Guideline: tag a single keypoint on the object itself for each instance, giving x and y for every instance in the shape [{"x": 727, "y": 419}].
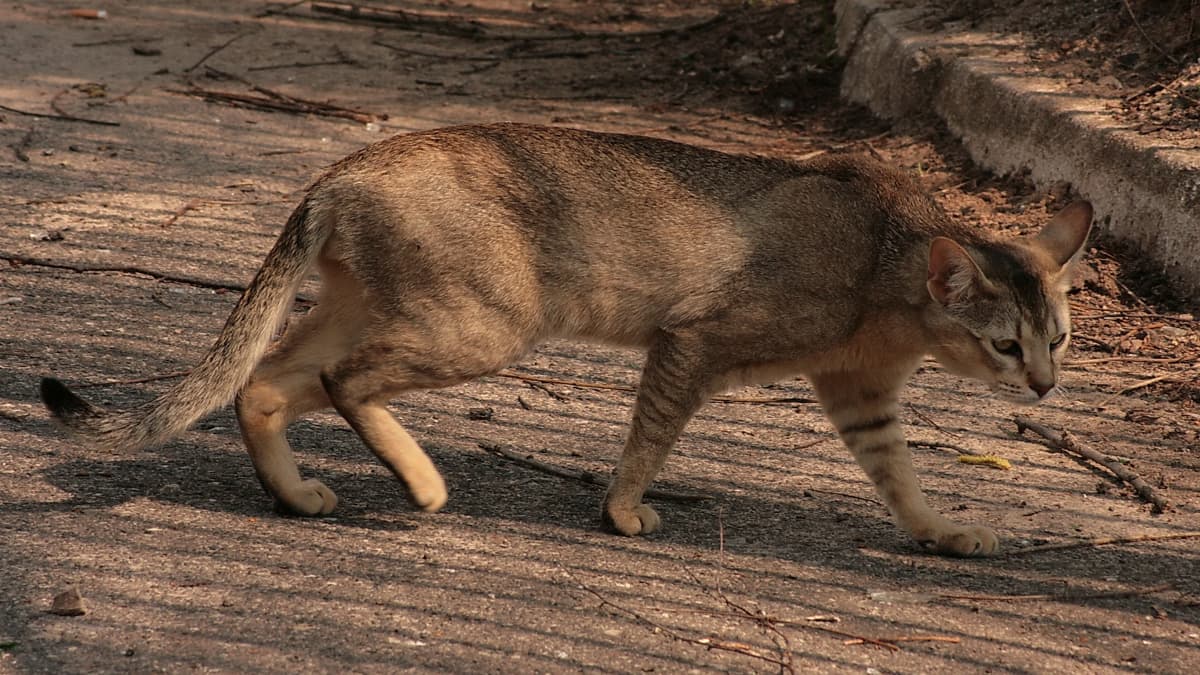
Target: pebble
[{"x": 68, "y": 603}]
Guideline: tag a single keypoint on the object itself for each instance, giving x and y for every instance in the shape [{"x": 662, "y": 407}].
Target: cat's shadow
[{"x": 848, "y": 536}]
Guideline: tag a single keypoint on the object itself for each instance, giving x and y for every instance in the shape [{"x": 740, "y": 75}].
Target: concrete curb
[{"x": 1011, "y": 118}]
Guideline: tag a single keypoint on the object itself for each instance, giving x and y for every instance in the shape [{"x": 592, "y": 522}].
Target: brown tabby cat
[{"x": 449, "y": 254}]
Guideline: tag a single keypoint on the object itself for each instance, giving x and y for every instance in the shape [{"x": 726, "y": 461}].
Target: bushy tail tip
[{"x": 63, "y": 404}]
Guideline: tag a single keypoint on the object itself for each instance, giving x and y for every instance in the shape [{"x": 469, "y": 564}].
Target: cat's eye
[
  {"x": 1058, "y": 341},
  {"x": 1007, "y": 347}
]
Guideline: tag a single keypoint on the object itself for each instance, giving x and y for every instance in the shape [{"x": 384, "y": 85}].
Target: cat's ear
[
  {"x": 1064, "y": 236},
  {"x": 953, "y": 277}
]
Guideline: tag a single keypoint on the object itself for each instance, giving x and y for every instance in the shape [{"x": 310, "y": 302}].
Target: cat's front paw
[
  {"x": 963, "y": 541},
  {"x": 307, "y": 498},
  {"x": 641, "y": 519}
]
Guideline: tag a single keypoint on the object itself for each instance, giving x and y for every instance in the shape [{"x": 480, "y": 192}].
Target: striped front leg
[{"x": 864, "y": 409}]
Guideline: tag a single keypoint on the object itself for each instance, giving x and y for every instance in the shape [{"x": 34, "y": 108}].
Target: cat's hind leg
[
  {"x": 360, "y": 388},
  {"x": 400, "y": 353},
  {"x": 285, "y": 385},
  {"x": 864, "y": 408}
]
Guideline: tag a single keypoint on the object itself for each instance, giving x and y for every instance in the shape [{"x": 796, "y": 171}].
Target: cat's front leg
[
  {"x": 864, "y": 408},
  {"x": 675, "y": 383}
]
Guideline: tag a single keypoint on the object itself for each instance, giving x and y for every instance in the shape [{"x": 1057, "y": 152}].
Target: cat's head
[{"x": 1000, "y": 310}]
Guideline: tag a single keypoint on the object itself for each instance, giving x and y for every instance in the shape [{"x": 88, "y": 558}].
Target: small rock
[
  {"x": 1174, "y": 332},
  {"x": 146, "y": 51},
  {"x": 747, "y": 60},
  {"x": 48, "y": 235},
  {"x": 68, "y": 603},
  {"x": 480, "y": 414}
]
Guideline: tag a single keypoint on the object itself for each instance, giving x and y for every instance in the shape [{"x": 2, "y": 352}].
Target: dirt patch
[{"x": 122, "y": 244}]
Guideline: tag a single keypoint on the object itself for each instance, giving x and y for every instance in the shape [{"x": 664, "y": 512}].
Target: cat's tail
[{"x": 228, "y": 364}]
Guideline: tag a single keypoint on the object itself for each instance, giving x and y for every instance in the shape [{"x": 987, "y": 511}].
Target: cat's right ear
[{"x": 953, "y": 277}]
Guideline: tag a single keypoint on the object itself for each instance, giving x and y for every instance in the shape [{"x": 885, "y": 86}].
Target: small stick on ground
[
  {"x": 1146, "y": 35},
  {"x": 276, "y": 103},
  {"x": 583, "y": 476},
  {"x": 67, "y": 118},
  {"x": 1067, "y": 596},
  {"x": 926, "y": 419},
  {"x": 213, "y": 52},
  {"x": 907, "y": 638},
  {"x": 14, "y": 259},
  {"x": 869, "y": 500},
  {"x": 271, "y": 11},
  {"x": 138, "y": 380},
  {"x": 1065, "y": 441},
  {"x": 1106, "y": 541},
  {"x": 938, "y": 445},
  {"x": 1170, "y": 377},
  {"x": 707, "y": 643},
  {"x": 344, "y": 61}
]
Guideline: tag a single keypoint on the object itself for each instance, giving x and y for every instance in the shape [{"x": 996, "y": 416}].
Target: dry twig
[
  {"x": 215, "y": 50},
  {"x": 1169, "y": 377},
  {"x": 1064, "y": 440},
  {"x": 1106, "y": 541},
  {"x": 707, "y": 643},
  {"x": 583, "y": 476},
  {"x": 274, "y": 102},
  {"x": 67, "y": 118},
  {"x": 1149, "y": 39},
  {"x": 136, "y": 380},
  {"x": 1065, "y": 596}
]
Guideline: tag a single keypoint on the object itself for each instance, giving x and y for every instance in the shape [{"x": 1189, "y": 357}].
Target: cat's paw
[
  {"x": 307, "y": 498},
  {"x": 963, "y": 541},
  {"x": 631, "y": 522},
  {"x": 428, "y": 493}
]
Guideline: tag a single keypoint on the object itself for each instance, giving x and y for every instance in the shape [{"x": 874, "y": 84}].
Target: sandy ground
[{"x": 120, "y": 245}]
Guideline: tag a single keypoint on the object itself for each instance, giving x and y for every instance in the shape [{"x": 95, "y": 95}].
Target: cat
[{"x": 446, "y": 255}]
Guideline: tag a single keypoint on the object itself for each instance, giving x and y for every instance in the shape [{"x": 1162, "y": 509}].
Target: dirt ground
[
  {"x": 122, "y": 245},
  {"x": 1144, "y": 54}
]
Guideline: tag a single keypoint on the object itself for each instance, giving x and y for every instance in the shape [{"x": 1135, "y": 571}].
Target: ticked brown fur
[{"x": 449, "y": 254}]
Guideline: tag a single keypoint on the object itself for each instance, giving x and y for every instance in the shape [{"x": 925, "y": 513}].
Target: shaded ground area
[
  {"x": 121, "y": 245},
  {"x": 1144, "y": 53}
]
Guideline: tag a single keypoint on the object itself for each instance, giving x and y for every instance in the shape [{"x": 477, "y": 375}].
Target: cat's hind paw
[
  {"x": 641, "y": 519},
  {"x": 308, "y": 498},
  {"x": 965, "y": 541}
]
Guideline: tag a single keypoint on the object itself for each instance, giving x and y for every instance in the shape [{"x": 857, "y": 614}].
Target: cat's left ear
[{"x": 1064, "y": 236}]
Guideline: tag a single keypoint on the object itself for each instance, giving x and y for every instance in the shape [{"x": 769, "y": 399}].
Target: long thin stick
[
  {"x": 583, "y": 476},
  {"x": 67, "y": 118},
  {"x": 1106, "y": 541},
  {"x": 1149, "y": 381},
  {"x": 1064, "y": 440},
  {"x": 1098, "y": 595},
  {"x": 707, "y": 643}
]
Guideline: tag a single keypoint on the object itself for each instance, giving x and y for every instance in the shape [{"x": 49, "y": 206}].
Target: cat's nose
[{"x": 1041, "y": 389}]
